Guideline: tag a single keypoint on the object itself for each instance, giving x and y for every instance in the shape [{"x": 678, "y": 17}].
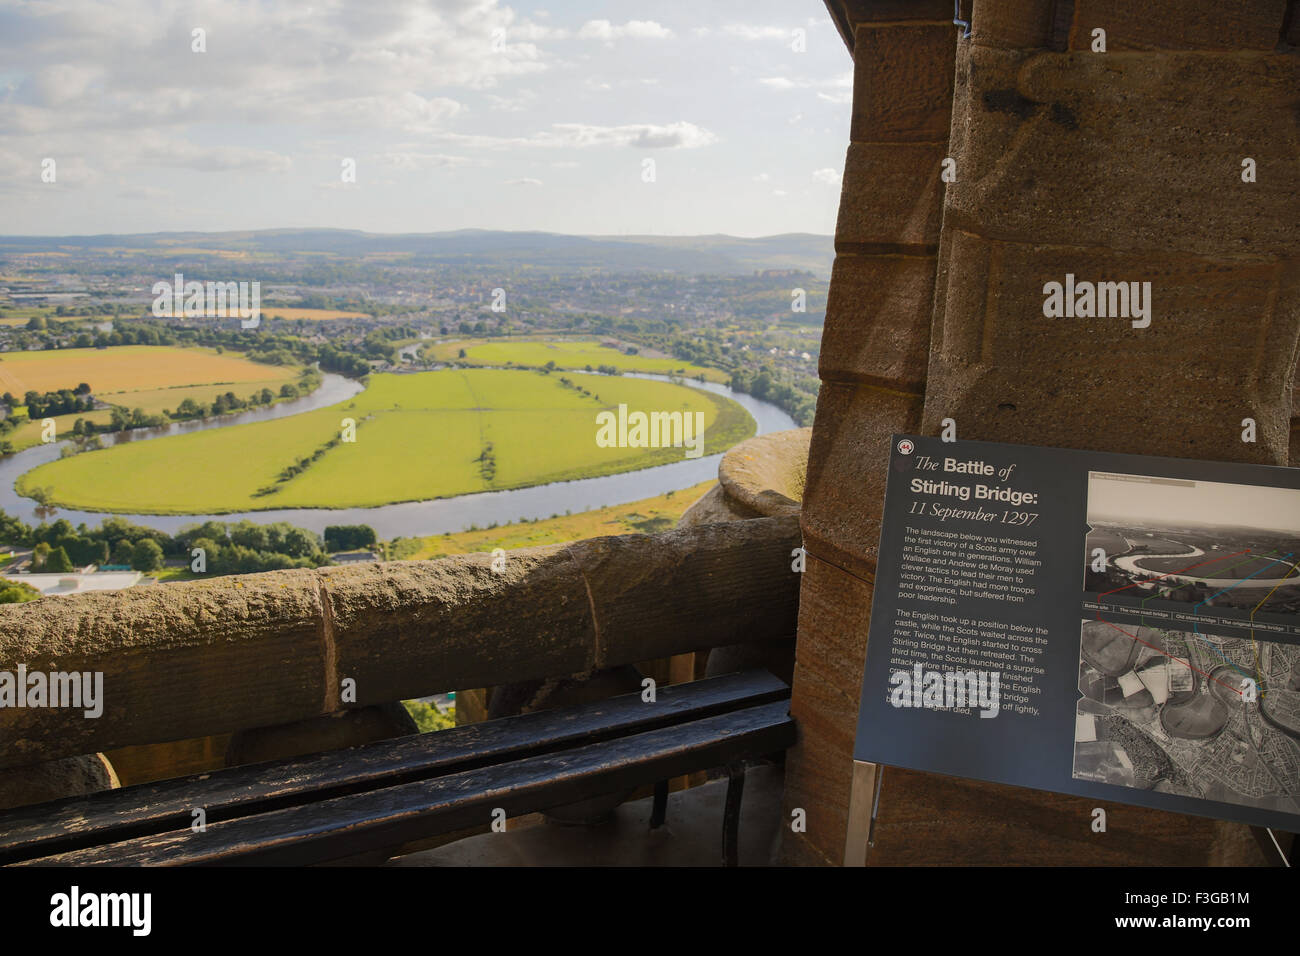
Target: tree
[
  {"x": 146, "y": 555},
  {"x": 40, "y": 554},
  {"x": 15, "y": 592},
  {"x": 58, "y": 562},
  {"x": 123, "y": 553},
  {"x": 37, "y": 323}
]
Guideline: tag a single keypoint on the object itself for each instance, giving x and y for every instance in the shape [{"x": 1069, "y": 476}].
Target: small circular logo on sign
[{"x": 905, "y": 447}]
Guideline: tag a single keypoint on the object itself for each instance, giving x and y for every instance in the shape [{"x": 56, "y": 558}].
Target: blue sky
[{"x": 458, "y": 114}]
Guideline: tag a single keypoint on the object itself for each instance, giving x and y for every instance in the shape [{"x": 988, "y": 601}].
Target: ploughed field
[{"x": 417, "y": 436}]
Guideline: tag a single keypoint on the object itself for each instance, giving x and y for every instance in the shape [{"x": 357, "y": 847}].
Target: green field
[
  {"x": 567, "y": 355},
  {"x": 418, "y": 436}
]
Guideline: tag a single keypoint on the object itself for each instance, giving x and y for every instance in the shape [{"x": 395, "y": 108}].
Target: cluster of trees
[
  {"x": 349, "y": 537},
  {"x": 63, "y": 402},
  {"x": 299, "y": 466},
  {"x": 229, "y": 547},
  {"x": 259, "y": 345},
  {"x": 229, "y": 402},
  {"x": 487, "y": 463},
  {"x": 569, "y": 383},
  {"x": 378, "y": 343},
  {"x": 765, "y": 384},
  {"x": 60, "y": 547}
]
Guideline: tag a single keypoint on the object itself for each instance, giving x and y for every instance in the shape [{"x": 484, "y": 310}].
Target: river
[
  {"x": 1130, "y": 564},
  {"x": 411, "y": 518}
]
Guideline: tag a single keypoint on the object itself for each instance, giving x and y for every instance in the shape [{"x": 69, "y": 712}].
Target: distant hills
[{"x": 715, "y": 255}]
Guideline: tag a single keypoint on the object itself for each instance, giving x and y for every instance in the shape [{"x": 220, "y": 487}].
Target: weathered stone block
[
  {"x": 878, "y": 321},
  {"x": 457, "y": 619},
  {"x": 735, "y": 579},
  {"x": 177, "y": 661},
  {"x": 55, "y": 779},
  {"x": 1015, "y": 24},
  {"x": 892, "y": 197},
  {"x": 1003, "y": 370},
  {"x": 847, "y": 464},
  {"x": 1178, "y": 25},
  {"x": 902, "y": 82},
  {"x": 1091, "y": 150}
]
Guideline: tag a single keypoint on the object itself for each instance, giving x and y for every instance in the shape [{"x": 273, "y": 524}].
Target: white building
[{"x": 73, "y": 583}]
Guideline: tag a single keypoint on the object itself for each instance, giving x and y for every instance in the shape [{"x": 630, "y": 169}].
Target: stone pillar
[
  {"x": 873, "y": 369},
  {"x": 1123, "y": 165}
]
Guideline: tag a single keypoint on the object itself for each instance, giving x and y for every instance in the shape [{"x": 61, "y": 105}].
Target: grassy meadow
[
  {"x": 648, "y": 516},
  {"x": 418, "y": 436},
  {"x": 566, "y": 355}
]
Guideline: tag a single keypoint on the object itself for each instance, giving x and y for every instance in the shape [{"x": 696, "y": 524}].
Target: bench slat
[
  {"x": 64, "y": 825},
  {"x": 347, "y": 825}
]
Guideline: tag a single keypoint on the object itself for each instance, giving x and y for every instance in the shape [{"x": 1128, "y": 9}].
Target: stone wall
[{"x": 1117, "y": 165}]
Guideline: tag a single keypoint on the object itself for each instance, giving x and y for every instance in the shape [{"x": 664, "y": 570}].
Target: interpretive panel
[{"x": 1113, "y": 626}]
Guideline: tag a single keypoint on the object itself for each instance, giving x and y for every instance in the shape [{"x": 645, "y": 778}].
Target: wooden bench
[{"x": 339, "y": 804}]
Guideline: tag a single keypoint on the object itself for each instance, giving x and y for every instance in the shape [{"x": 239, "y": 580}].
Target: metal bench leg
[
  {"x": 659, "y": 810},
  {"x": 731, "y": 814}
]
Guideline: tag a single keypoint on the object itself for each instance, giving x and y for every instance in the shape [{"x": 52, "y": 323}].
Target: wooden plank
[
  {"x": 344, "y": 826},
  {"x": 136, "y": 811},
  {"x": 862, "y": 799}
]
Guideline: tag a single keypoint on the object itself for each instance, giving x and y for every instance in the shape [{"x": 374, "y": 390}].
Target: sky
[
  {"x": 1160, "y": 501},
  {"x": 456, "y": 113}
]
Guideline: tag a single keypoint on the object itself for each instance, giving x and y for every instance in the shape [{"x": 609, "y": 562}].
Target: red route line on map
[
  {"x": 1158, "y": 650},
  {"x": 1162, "y": 653}
]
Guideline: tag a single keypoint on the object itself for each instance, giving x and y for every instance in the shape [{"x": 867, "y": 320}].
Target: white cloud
[
  {"x": 638, "y": 29},
  {"x": 639, "y": 135},
  {"x": 156, "y": 150},
  {"x": 749, "y": 32},
  {"x": 522, "y": 100},
  {"x": 778, "y": 83},
  {"x": 679, "y": 135},
  {"x": 830, "y": 177},
  {"x": 421, "y": 161},
  {"x": 762, "y": 178},
  {"x": 838, "y": 98},
  {"x": 526, "y": 181}
]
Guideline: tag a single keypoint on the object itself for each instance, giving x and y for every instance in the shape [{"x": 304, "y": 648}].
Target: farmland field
[
  {"x": 418, "y": 436},
  {"x": 130, "y": 368},
  {"x": 566, "y": 355},
  {"x": 292, "y": 312},
  {"x": 154, "y": 378}
]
